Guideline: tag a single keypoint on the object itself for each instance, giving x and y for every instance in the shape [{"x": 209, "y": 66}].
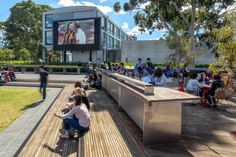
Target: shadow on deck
[{"x": 114, "y": 134}]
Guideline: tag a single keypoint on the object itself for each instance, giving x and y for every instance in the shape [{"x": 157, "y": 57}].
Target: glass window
[
  {"x": 105, "y": 23},
  {"x": 118, "y": 43},
  {"x": 112, "y": 42},
  {"x": 122, "y": 36},
  {"x": 48, "y": 38},
  {"x": 48, "y": 21},
  {"x": 113, "y": 29}
]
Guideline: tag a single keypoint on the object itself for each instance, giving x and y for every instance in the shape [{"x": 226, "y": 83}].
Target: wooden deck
[
  {"x": 45, "y": 140},
  {"x": 112, "y": 132}
]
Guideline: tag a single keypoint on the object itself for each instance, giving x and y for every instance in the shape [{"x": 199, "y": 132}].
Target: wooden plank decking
[
  {"x": 109, "y": 135},
  {"x": 45, "y": 140}
]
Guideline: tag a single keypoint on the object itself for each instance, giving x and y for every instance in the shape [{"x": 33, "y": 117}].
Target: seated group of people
[
  {"x": 198, "y": 83},
  {"x": 7, "y": 76},
  {"x": 145, "y": 72},
  {"x": 94, "y": 80},
  {"x": 76, "y": 114}
]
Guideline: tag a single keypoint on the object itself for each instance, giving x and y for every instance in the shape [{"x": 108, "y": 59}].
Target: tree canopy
[
  {"x": 194, "y": 19},
  {"x": 24, "y": 27},
  {"x": 226, "y": 44}
]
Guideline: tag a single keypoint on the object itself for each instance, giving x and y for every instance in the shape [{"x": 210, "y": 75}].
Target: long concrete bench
[{"x": 158, "y": 114}]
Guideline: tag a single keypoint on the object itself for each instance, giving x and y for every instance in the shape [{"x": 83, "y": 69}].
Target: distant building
[
  {"x": 110, "y": 36},
  {"x": 158, "y": 51}
]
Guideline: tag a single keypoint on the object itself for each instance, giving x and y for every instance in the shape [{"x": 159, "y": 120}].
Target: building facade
[
  {"x": 110, "y": 36},
  {"x": 158, "y": 51}
]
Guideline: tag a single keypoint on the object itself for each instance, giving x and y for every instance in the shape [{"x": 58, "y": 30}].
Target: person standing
[
  {"x": 138, "y": 66},
  {"x": 43, "y": 80},
  {"x": 150, "y": 66}
]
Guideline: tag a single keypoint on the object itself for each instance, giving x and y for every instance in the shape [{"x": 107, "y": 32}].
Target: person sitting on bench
[
  {"x": 84, "y": 99},
  {"x": 217, "y": 83},
  {"x": 77, "y": 118},
  {"x": 193, "y": 86}
]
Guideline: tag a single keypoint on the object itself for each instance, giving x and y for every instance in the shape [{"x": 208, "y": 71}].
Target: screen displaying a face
[{"x": 76, "y": 32}]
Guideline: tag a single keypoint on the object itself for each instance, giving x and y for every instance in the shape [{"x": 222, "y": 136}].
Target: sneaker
[{"x": 214, "y": 106}]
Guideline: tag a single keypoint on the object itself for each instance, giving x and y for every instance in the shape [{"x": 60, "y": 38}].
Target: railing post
[
  {"x": 64, "y": 70},
  {"x": 22, "y": 70},
  {"x": 78, "y": 70},
  {"x": 50, "y": 69}
]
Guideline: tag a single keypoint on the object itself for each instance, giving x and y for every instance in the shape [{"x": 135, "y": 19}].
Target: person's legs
[
  {"x": 40, "y": 88},
  {"x": 44, "y": 90},
  {"x": 72, "y": 122}
]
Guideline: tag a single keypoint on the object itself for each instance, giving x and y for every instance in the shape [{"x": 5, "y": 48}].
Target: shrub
[{"x": 83, "y": 70}]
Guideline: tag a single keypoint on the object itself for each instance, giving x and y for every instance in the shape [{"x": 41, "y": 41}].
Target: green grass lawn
[{"x": 14, "y": 101}]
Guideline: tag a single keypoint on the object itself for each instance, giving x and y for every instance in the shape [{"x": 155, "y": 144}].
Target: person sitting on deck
[
  {"x": 78, "y": 91},
  {"x": 159, "y": 77},
  {"x": 5, "y": 75},
  {"x": 12, "y": 75},
  {"x": 193, "y": 86},
  {"x": 78, "y": 118}
]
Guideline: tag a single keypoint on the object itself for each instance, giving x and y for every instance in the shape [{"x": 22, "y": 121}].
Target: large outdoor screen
[{"x": 79, "y": 34}]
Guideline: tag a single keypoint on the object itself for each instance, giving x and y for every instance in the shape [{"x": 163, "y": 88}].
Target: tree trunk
[{"x": 192, "y": 52}]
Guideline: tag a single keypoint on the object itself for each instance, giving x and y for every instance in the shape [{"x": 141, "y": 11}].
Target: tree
[
  {"x": 226, "y": 45},
  {"x": 24, "y": 27},
  {"x": 191, "y": 18},
  {"x": 2, "y": 54},
  {"x": 25, "y": 54},
  {"x": 9, "y": 54}
]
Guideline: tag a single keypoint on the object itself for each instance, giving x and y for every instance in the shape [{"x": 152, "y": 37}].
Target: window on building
[
  {"x": 48, "y": 21},
  {"x": 109, "y": 27},
  {"x": 48, "y": 38},
  {"x": 118, "y": 43},
  {"x": 105, "y": 23},
  {"x": 104, "y": 38},
  {"x": 113, "y": 30},
  {"x": 122, "y": 36},
  {"x": 118, "y": 33},
  {"x": 112, "y": 43}
]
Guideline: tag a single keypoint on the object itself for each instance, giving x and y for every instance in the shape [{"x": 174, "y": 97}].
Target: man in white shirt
[{"x": 80, "y": 35}]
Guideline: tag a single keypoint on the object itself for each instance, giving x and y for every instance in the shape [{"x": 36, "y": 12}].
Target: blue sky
[{"x": 123, "y": 19}]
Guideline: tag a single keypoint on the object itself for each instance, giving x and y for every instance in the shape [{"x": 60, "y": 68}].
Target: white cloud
[
  {"x": 142, "y": 6},
  {"x": 158, "y": 38},
  {"x": 105, "y": 9},
  {"x": 134, "y": 31},
  {"x": 66, "y": 3},
  {"x": 101, "y": 1},
  {"x": 125, "y": 26}
]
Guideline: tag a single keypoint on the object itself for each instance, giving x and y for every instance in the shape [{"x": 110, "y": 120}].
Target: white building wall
[
  {"x": 79, "y": 56},
  {"x": 157, "y": 50}
]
